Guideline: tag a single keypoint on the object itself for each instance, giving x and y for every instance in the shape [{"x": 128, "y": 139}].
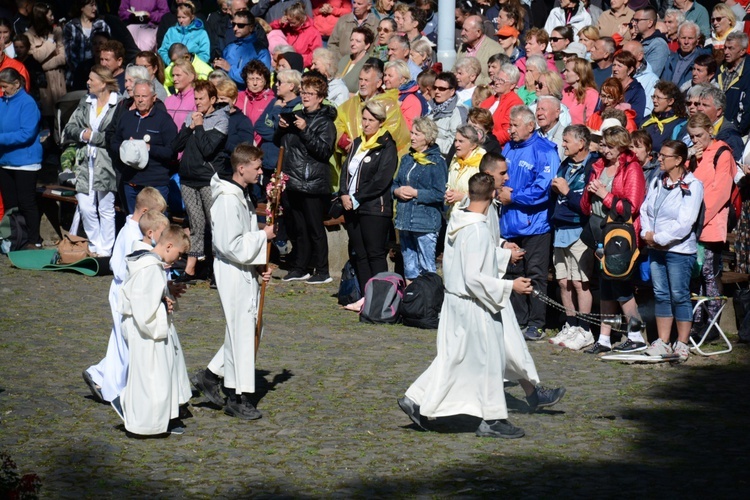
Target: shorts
[
  {"x": 575, "y": 262},
  {"x": 619, "y": 290}
]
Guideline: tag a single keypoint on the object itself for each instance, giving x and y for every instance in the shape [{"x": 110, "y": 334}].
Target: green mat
[{"x": 41, "y": 260}]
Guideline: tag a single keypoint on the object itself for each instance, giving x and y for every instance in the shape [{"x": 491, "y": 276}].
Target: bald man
[{"x": 474, "y": 43}]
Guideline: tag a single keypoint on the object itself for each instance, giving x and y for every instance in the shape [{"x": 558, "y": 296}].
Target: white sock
[
  {"x": 636, "y": 336},
  {"x": 605, "y": 341}
]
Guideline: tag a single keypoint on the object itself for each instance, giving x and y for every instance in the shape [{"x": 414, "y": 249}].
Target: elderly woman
[
  {"x": 419, "y": 189},
  {"x": 412, "y": 102},
  {"x": 299, "y": 31},
  {"x": 536, "y": 45},
  {"x": 325, "y": 62},
  {"x": 201, "y": 140},
  {"x": 467, "y": 71},
  {"x": 77, "y": 35},
  {"x": 668, "y": 115},
  {"x": 20, "y": 151},
  {"x": 95, "y": 175},
  {"x": 535, "y": 66},
  {"x": 615, "y": 178},
  {"x": 580, "y": 94},
  {"x": 611, "y": 95},
  {"x": 469, "y": 153},
  {"x": 48, "y": 48},
  {"x": 309, "y": 141},
  {"x": 349, "y": 67},
  {"x": 668, "y": 218},
  {"x": 143, "y": 18},
  {"x": 255, "y": 98},
  {"x": 712, "y": 163},
  {"x": 481, "y": 119},
  {"x": 386, "y": 28},
  {"x": 182, "y": 103},
  {"x": 421, "y": 54},
  {"x": 365, "y": 191},
  {"x": 673, "y": 18},
  {"x": 723, "y": 22}
]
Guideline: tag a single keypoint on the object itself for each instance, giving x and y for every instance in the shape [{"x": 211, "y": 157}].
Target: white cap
[
  {"x": 576, "y": 49},
  {"x": 134, "y": 153}
]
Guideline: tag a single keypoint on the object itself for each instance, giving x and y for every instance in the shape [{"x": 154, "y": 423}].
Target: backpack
[
  {"x": 349, "y": 292},
  {"x": 423, "y": 299},
  {"x": 383, "y": 295},
  {"x": 620, "y": 251},
  {"x": 735, "y": 199},
  {"x": 14, "y": 234}
]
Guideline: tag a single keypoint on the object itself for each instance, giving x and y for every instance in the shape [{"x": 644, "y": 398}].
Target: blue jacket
[
  {"x": 239, "y": 53},
  {"x": 636, "y": 97},
  {"x": 266, "y": 127},
  {"x": 531, "y": 166},
  {"x": 422, "y": 214},
  {"x": 240, "y": 130},
  {"x": 19, "y": 130},
  {"x": 193, "y": 36},
  {"x": 567, "y": 213},
  {"x": 668, "y": 129},
  {"x": 686, "y": 70},
  {"x": 738, "y": 97}
]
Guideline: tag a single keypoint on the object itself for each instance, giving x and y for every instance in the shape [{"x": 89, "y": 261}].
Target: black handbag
[
  {"x": 337, "y": 207},
  {"x": 592, "y": 231}
]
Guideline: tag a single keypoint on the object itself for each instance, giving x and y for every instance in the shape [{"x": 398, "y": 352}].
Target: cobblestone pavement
[{"x": 331, "y": 426}]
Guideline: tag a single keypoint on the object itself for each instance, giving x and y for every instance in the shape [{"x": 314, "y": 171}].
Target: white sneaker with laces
[
  {"x": 580, "y": 339},
  {"x": 658, "y": 348},
  {"x": 682, "y": 350},
  {"x": 565, "y": 333}
]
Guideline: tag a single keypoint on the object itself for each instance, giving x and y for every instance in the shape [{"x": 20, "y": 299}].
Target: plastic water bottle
[{"x": 600, "y": 253}]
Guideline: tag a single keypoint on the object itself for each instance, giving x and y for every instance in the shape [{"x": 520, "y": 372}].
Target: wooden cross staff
[{"x": 274, "y": 202}]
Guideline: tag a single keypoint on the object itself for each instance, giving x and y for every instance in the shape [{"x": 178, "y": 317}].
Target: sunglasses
[
  {"x": 240, "y": 25},
  {"x": 556, "y": 38},
  {"x": 441, "y": 89},
  {"x": 717, "y": 19},
  {"x": 539, "y": 85},
  {"x": 384, "y": 30}
]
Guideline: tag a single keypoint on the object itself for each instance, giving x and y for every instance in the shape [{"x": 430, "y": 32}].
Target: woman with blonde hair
[
  {"x": 96, "y": 181},
  {"x": 580, "y": 94},
  {"x": 723, "y": 22},
  {"x": 240, "y": 126},
  {"x": 326, "y": 62},
  {"x": 467, "y": 70},
  {"x": 411, "y": 101},
  {"x": 180, "y": 104},
  {"x": 588, "y": 35},
  {"x": 550, "y": 83}
]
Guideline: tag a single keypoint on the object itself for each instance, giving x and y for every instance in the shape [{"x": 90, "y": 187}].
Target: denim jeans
[
  {"x": 131, "y": 193},
  {"x": 670, "y": 275},
  {"x": 418, "y": 251}
]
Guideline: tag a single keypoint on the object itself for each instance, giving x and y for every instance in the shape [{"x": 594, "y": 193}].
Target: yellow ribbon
[
  {"x": 421, "y": 158},
  {"x": 659, "y": 123},
  {"x": 472, "y": 160},
  {"x": 372, "y": 141}
]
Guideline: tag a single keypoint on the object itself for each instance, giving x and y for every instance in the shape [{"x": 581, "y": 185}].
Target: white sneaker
[
  {"x": 580, "y": 339},
  {"x": 682, "y": 350},
  {"x": 658, "y": 348},
  {"x": 565, "y": 333}
]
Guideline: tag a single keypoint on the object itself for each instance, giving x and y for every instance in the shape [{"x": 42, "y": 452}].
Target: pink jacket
[
  {"x": 717, "y": 187},
  {"x": 580, "y": 112},
  {"x": 325, "y": 24},
  {"x": 180, "y": 105},
  {"x": 521, "y": 65},
  {"x": 253, "y": 105},
  {"x": 305, "y": 39}
]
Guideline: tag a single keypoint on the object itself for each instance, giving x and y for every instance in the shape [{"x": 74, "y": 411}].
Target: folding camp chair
[{"x": 701, "y": 302}]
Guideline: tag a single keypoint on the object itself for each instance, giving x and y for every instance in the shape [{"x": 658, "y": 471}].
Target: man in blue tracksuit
[
  {"x": 532, "y": 163},
  {"x": 243, "y": 49}
]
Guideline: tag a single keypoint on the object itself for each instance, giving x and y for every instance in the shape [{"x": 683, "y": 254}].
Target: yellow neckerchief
[
  {"x": 718, "y": 125},
  {"x": 659, "y": 123},
  {"x": 473, "y": 160},
  {"x": 739, "y": 71},
  {"x": 372, "y": 141},
  {"x": 421, "y": 158}
]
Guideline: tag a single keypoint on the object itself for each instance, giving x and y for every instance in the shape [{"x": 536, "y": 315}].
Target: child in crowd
[
  {"x": 107, "y": 379},
  {"x": 188, "y": 31},
  {"x": 148, "y": 402},
  {"x": 239, "y": 248}
]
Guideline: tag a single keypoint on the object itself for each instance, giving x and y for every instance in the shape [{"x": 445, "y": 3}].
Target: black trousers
[
  {"x": 18, "y": 188},
  {"x": 535, "y": 266},
  {"x": 304, "y": 216},
  {"x": 368, "y": 244}
]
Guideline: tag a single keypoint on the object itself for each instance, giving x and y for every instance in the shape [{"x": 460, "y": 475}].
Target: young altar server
[
  {"x": 466, "y": 376},
  {"x": 107, "y": 378},
  {"x": 148, "y": 403},
  {"x": 239, "y": 249}
]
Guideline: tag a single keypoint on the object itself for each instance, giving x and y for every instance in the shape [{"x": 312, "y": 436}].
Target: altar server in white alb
[
  {"x": 239, "y": 254},
  {"x": 146, "y": 405},
  {"x": 107, "y": 378},
  {"x": 466, "y": 376}
]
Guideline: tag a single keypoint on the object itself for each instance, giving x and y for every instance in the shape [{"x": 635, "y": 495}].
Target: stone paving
[{"x": 331, "y": 426}]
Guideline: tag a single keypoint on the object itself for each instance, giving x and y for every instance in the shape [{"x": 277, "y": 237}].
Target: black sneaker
[
  {"x": 597, "y": 348},
  {"x": 534, "y": 334},
  {"x": 210, "y": 388},
  {"x": 499, "y": 429},
  {"x": 320, "y": 279},
  {"x": 186, "y": 279},
  {"x": 242, "y": 409},
  {"x": 542, "y": 397},
  {"x": 96, "y": 391},
  {"x": 296, "y": 275},
  {"x": 412, "y": 410},
  {"x": 630, "y": 346}
]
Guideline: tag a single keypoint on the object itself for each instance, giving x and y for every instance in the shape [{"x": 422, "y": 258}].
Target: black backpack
[
  {"x": 620, "y": 250},
  {"x": 14, "y": 234},
  {"x": 349, "y": 291},
  {"x": 423, "y": 299},
  {"x": 383, "y": 294}
]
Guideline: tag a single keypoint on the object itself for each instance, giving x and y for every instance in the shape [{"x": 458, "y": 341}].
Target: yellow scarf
[
  {"x": 473, "y": 160},
  {"x": 372, "y": 141},
  {"x": 421, "y": 158},
  {"x": 659, "y": 123}
]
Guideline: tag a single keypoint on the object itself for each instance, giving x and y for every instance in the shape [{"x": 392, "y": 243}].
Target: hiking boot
[
  {"x": 209, "y": 385},
  {"x": 296, "y": 275},
  {"x": 565, "y": 333},
  {"x": 534, "y": 334},
  {"x": 542, "y": 397},
  {"x": 412, "y": 410},
  {"x": 682, "y": 351},
  {"x": 96, "y": 391},
  {"x": 319, "y": 279},
  {"x": 658, "y": 348},
  {"x": 597, "y": 348},
  {"x": 582, "y": 338},
  {"x": 499, "y": 429},
  {"x": 242, "y": 409},
  {"x": 630, "y": 347}
]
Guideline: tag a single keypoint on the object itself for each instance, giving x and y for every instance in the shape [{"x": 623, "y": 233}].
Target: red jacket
[
  {"x": 304, "y": 39},
  {"x": 501, "y": 116},
  {"x": 628, "y": 184},
  {"x": 325, "y": 24}
]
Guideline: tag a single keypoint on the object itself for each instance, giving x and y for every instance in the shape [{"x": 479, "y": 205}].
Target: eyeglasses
[
  {"x": 500, "y": 81},
  {"x": 636, "y": 21},
  {"x": 717, "y": 19},
  {"x": 240, "y": 25},
  {"x": 441, "y": 89},
  {"x": 658, "y": 97},
  {"x": 255, "y": 79},
  {"x": 693, "y": 103},
  {"x": 308, "y": 94},
  {"x": 607, "y": 97}
]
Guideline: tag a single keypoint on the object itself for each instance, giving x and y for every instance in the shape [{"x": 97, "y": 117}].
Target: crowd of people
[{"x": 595, "y": 108}]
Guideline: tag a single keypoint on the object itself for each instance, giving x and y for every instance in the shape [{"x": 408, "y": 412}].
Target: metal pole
[{"x": 446, "y": 49}]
